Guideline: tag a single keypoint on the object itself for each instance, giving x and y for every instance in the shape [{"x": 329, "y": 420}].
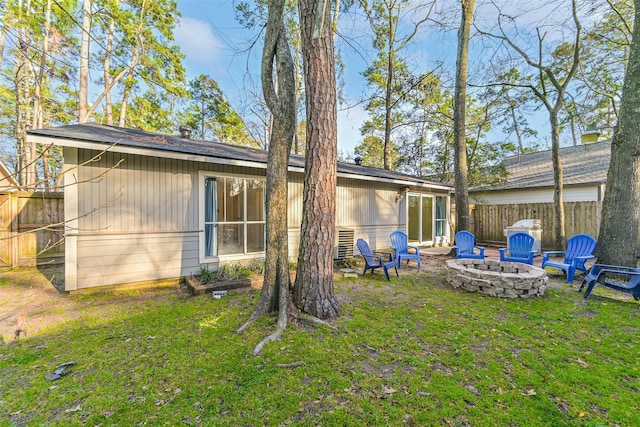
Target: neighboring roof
[
  {"x": 7, "y": 179},
  {"x": 585, "y": 164},
  {"x": 89, "y": 134}
]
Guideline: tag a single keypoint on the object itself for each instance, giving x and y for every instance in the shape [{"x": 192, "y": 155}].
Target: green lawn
[{"x": 413, "y": 352}]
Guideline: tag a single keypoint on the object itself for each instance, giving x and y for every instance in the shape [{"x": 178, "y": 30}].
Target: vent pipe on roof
[
  {"x": 185, "y": 132},
  {"x": 358, "y": 160}
]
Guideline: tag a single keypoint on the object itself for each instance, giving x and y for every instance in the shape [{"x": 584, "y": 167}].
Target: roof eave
[{"x": 175, "y": 154}]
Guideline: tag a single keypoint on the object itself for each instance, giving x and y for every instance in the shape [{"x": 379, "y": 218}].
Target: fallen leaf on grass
[
  {"x": 581, "y": 414},
  {"x": 582, "y": 363},
  {"x": 389, "y": 390},
  {"x": 74, "y": 409},
  {"x": 531, "y": 392}
]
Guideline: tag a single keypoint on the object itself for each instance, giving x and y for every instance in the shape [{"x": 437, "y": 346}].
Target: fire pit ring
[{"x": 497, "y": 279}]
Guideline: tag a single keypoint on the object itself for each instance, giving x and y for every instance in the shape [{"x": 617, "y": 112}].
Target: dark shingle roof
[
  {"x": 97, "y": 133},
  {"x": 582, "y": 164}
]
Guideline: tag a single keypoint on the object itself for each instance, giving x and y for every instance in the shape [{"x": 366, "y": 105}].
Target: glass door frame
[{"x": 420, "y": 196}]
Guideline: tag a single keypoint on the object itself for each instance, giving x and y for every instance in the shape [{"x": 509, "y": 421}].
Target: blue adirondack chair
[
  {"x": 520, "y": 249},
  {"x": 465, "y": 246},
  {"x": 376, "y": 259},
  {"x": 579, "y": 249},
  {"x": 400, "y": 245},
  {"x": 602, "y": 274}
]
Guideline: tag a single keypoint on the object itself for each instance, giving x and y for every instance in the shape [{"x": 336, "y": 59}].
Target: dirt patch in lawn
[{"x": 30, "y": 301}]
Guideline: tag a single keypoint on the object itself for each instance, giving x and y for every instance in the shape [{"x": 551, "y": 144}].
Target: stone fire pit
[{"x": 497, "y": 279}]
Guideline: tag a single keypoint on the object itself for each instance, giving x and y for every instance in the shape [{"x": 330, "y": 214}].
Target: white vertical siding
[
  {"x": 124, "y": 258},
  {"x": 139, "y": 221},
  {"x": 364, "y": 203},
  {"x": 71, "y": 212}
]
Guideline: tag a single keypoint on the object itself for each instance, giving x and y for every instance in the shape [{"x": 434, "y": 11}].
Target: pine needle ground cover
[{"x": 410, "y": 352}]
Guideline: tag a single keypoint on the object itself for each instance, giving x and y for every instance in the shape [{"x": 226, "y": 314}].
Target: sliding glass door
[
  {"x": 423, "y": 220},
  {"x": 420, "y": 221}
]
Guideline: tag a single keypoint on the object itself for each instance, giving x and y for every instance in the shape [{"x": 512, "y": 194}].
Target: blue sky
[{"x": 216, "y": 44}]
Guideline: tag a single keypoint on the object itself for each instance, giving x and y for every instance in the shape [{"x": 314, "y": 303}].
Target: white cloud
[{"x": 198, "y": 42}]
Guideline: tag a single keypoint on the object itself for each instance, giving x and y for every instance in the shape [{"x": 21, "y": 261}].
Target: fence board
[
  {"x": 22, "y": 241},
  {"x": 489, "y": 221}
]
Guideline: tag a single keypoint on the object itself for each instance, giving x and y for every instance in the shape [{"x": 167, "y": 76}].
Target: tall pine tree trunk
[
  {"x": 619, "y": 239},
  {"x": 459, "y": 118},
  {"x": 313, "y": 291}
]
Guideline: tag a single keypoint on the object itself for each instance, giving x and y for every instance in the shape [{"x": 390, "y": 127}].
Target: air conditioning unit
[{"x": 344, "y": 243}]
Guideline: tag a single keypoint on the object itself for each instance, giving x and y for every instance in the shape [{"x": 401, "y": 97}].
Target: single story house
[
  {"x": 143, "y": 206},
  {"x": 530, "y": 177}
]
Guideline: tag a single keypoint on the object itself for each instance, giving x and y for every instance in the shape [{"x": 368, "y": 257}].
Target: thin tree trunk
[
  {"x": 558, "y": 193},
  {"x": 106, "y": 65},
  {"x": 619, "y": 239},
  {"x": 388, "y": 104},
  {"x": 547, "y": 75},
  {"x": 123, "y": 105},
  {"x": 558, "y": 180},
  {"x": 459, "y": 118},
  {"x": 313, "y": 290},
  {"x": 516, "y": 128},
  {"x": 46, "y": 172},
  {"x": 26, "y": 152},
  {"x": 275, "y": 289},
  {"x": 83, "y": 92},
  {"x": 36, "y": 123},
  {"x": 202, "y": 119},
  {"x": 574, "y": 134}
]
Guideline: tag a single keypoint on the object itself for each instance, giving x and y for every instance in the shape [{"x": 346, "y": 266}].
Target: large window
[{"x": 234, "y": 217}]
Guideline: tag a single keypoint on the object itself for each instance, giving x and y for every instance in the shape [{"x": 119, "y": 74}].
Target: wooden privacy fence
[
  {"x": 489, "y": 221},
  {"x": 23, "y": 240}
]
